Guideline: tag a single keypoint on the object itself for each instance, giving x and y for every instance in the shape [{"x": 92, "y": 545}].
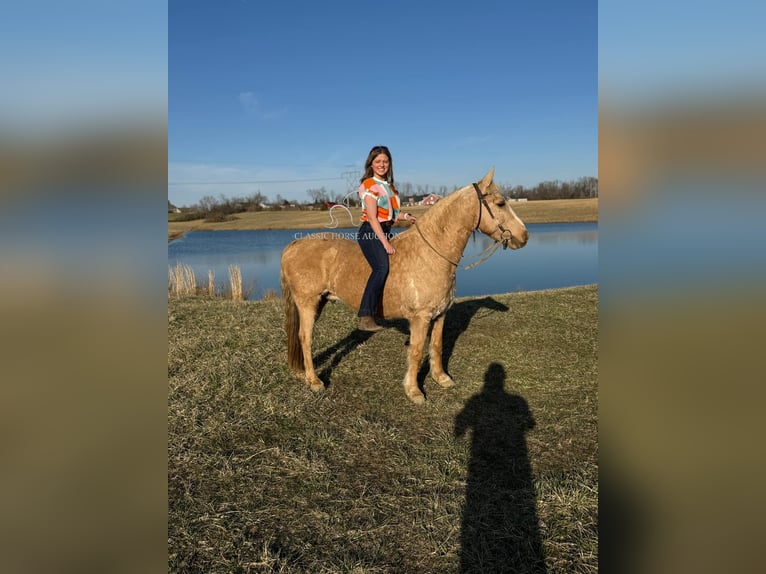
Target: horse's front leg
[
  {"x": 418, "y": 333},
  {"x": 438, "y": 373}
]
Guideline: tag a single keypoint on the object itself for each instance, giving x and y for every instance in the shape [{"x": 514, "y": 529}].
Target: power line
[{"x": 251, "y": 182}]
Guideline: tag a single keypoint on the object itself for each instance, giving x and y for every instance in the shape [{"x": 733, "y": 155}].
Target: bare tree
[{"x": 318, "y": 195}]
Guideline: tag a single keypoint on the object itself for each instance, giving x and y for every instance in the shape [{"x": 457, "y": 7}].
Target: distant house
[
  {"x": 430, "y": 199},
  {"x": 172, "y": 208}
]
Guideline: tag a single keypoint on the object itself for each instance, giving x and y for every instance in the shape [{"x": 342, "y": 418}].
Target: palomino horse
[{"x": 421, "y": 279}]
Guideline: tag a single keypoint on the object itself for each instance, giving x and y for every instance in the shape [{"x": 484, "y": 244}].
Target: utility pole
[{"x": 352, "y": 181}]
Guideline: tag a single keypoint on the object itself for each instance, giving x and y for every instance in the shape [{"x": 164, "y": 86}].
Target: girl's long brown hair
[{"x": 375, "y": 152}]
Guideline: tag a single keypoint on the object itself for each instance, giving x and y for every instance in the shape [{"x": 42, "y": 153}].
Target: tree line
[
  {"x": 585, "y": 187},
  {"x": 223, "y": 208}
]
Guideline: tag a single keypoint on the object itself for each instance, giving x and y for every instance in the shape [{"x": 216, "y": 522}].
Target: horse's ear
[{"x": 487, "y": 179}]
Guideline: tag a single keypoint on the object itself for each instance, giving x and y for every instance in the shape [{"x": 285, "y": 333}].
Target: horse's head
[{"x": 496, "y": 218}]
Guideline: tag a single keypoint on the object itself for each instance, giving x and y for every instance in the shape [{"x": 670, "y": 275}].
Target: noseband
[{"x": 503, "y": 231}]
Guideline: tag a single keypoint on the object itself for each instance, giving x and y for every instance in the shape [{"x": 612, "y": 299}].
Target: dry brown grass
[
  {"x": 265, "y": 476},
  {"x": 557, "y": 210}
]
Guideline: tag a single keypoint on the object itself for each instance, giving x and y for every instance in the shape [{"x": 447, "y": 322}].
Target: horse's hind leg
[
  {"x": 308, "y": 314},
  {"x": 438, "y": 373}
]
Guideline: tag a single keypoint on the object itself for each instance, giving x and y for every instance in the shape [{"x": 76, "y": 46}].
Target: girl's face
[{"x": 380, "y": 165}]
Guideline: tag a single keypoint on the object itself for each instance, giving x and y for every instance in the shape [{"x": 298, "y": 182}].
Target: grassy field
[
  {"x": 550, "y": 211},
  {"x": 498, "y": 473}
]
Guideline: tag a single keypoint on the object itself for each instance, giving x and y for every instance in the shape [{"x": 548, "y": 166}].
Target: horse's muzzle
[{"x": 515, "y": 242}]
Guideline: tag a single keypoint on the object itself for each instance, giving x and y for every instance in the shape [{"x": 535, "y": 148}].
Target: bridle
[
  {"x": 483, "y": 201},
  {"x": 503, "y": 231}
]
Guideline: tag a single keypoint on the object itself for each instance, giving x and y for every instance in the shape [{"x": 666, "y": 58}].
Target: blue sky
[{"x": 289, "y": 95}]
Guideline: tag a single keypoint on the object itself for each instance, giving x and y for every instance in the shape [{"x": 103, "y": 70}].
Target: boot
[{"x": 367, "y": 323}]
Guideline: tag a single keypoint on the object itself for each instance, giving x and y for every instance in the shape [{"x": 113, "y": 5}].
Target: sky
[{"x": 283, "y": 97}]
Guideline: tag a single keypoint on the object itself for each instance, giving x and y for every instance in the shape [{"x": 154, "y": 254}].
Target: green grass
[{"x": 265, "y": 476}]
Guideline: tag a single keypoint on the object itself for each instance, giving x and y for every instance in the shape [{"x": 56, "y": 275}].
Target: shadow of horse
[
  {"x": 458, "y": 318},
  {"x": 334, "y": 354},
  {"x": 500, "y": 528}
]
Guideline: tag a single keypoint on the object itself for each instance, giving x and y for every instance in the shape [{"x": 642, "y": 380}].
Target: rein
[
  {"x": 493, "y": 247},
  {"x": 434, "y": 248}
]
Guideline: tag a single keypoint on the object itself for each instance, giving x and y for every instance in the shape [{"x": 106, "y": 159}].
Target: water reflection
[{"x": 557, "y": 255}]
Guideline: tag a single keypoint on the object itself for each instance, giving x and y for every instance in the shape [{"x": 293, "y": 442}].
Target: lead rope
[{"x": 493, "y": 247}]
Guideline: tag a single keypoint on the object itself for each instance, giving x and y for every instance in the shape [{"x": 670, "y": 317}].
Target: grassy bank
[
  {"x": 265, "y": 476},
  {"x": 550, "y": 211}
]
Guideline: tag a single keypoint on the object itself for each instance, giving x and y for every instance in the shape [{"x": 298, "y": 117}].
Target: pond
[{"x": 557, "y": 255}]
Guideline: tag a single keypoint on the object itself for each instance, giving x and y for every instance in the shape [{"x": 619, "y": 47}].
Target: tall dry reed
[
  {"x": 235, "y": 277},
  {"x": 210, "y": 283},
  {"x": 181, "y": 280},
  {"x": 183, "y": 283}
]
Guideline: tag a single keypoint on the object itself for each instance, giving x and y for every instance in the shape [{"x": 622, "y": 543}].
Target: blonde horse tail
[{"x": 292, "y": 327}]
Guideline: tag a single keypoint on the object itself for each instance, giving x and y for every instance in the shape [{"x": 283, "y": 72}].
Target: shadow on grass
[
  {"x": 458, "y": 318},
  {"x": 500, "y": 528},
  {"x": 334, "y": 354}
]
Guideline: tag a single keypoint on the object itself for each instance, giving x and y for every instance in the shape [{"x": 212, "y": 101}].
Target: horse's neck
[{"x": 449, "y": 223}]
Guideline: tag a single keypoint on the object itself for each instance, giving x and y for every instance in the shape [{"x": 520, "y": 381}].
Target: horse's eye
[{"x": 500, "y": 202}]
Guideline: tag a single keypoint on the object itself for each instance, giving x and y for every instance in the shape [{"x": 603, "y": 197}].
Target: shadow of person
[{"x": 500, "y": 529}]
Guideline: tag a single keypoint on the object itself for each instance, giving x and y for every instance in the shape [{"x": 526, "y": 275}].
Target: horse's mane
[{"x": 443, "y": 208}]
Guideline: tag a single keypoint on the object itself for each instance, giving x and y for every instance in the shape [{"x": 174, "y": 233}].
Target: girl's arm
[{"x": 371, "y": 207}]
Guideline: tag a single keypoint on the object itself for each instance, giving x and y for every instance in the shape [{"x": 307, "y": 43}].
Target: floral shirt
[{"x": 386, "y": 197}]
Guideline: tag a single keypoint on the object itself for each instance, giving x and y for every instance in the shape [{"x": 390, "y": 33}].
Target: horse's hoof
[
  {"x": 417, "y": 399},
  {"x": 316, "y": 387},
  {"x": 445, "y": 382}
]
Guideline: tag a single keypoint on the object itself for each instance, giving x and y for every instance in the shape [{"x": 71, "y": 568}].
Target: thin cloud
[
  {"x": 252, "y": 107},
  {"x": 248, "y": 100}
]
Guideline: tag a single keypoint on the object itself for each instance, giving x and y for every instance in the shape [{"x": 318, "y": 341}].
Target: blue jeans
[{"x": 377, "y": 257}]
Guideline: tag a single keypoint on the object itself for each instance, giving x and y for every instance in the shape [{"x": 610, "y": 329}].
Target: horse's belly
[{"x": 410, "y": 293}]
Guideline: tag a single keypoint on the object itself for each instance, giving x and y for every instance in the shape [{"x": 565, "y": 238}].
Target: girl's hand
[{"x": 389, "y": 248}]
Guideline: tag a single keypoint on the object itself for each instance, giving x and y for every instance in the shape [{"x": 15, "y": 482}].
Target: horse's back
[
  {"x": 332, "y": 266},
  {"x": 318, "y": 252},
  {"x": 324, "y": 263}
]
